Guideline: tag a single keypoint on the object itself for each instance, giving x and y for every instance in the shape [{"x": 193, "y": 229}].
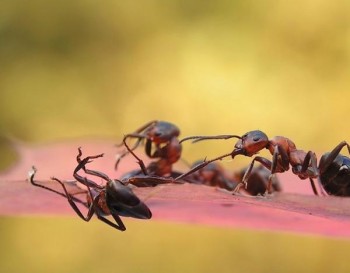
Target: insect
[
  {"x": 284, "y": 154},
  {"x": 162, "y": 143},
  {"x": 334, "y": 171},
  {"x": 214, "y": 175},
  {"x": 258, "y": 180},
  {"x": 115, "y": 198}
]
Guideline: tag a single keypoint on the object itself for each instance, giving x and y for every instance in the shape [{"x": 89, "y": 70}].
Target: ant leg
[
  {"x": 86, "y": 159},
  {"x": 31, "y": 180},
  {"x": 281, "y": 153},
  {"x": 262, "y": 160},
  {"x": 119, "y": 226},
  {"x": 313, "y": 186},
  {"x": 320, "y": 186},
  {"x": 81, "y": 165},
  {"x": 88, "y": 171},
  {"x": 148, "y": 148},
  {"x": 120, "y": 157},
  {"x": 137, "y": 132},
  {"x": 139, "y": 161},
  {"x": 310, "y": 156},
  {"x": 324, "y": 164},
  {"x": 74, "y": 206}
]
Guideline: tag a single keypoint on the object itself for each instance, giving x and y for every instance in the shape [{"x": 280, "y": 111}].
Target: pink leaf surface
[{"x": 293, "y": 210}]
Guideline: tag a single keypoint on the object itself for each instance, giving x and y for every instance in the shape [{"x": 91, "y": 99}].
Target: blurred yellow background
[
  {"x": 81, "y": 68},
  {"x": 73, "y": 69},
  {"x": 70, "y": 245}
]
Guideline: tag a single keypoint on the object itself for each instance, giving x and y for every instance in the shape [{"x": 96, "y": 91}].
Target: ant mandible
[
  {"x": 335, "y": 171},
  {"x": 282, "y": 149},
  {"x": 161, "y": 142},
  {"x": 115, "y": 198}
]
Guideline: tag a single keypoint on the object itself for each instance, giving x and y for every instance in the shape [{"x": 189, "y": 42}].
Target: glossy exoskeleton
[
  {"x": 161, "y": 142},
  {"x": 335, "y": 171},
  {"x": 114, "y": 198},
  {"x": 213, "y": 175},
  {"x": 284, "y": 154},
  {"x": 258, "y": 180}
]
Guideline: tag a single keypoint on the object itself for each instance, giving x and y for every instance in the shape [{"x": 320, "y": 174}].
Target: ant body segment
[
  {"x": 335, "y": 171},
  {"x": 161, "y": 142},
  {"x": 258, "y": 180}
]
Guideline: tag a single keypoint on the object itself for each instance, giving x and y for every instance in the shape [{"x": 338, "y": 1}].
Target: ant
[
  {"x": 258, "y": 180},
  {"x": 335, "y": 171},
  {"x": 283, "y": 150},
  {"x": 114, "y": 198},
  {"x": 161, "y": 142},
  {"x": 214, "y": 174}
]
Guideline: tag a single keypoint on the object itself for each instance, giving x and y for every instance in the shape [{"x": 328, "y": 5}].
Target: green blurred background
[{"x": 74, "y": 69}]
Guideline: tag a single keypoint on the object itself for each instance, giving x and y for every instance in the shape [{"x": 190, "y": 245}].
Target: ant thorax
[{"x": 282, "y": 142}]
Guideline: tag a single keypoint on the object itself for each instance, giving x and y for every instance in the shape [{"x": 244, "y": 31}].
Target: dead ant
[
  {"x": 282, "y": 149},
  {"x": 161, "y": 142},
  {"x": 334, "y": 171},
  {"x": 114, "y": 198}
]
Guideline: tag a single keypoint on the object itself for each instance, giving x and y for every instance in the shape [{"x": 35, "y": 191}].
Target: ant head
[
  {"x": 251, "y": 143},
  {"x": 162, "y": 132}
]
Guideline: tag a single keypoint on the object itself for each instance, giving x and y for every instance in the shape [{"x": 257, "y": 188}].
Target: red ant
[
  {"x": 335, "y": 171},
  {"x": 161, "y": 142},
  {"x": 282, "y": 149},
  {"x": 258, "y": 180},
  {"x": 115, "y": 198},
  {"x": 214, "y": 175}
]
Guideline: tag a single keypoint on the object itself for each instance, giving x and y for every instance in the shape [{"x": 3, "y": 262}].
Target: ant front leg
[
  {"x": 88, "y": 171},
  {"x": 138, "y": 142},
  {"x": 281, "y": 160},
  {"x": 81, "y": 165},
  {"x": 139, "y": 161},
  {"x": 310, "y": 158}
]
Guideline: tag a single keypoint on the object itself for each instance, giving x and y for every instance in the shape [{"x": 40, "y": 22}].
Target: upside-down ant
[{"x": 114, "y": 198}]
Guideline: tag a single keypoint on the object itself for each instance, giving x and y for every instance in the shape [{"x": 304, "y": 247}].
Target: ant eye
[
  {"x": 256, "y": 139},
  {"x": 157, "y": 134}
]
